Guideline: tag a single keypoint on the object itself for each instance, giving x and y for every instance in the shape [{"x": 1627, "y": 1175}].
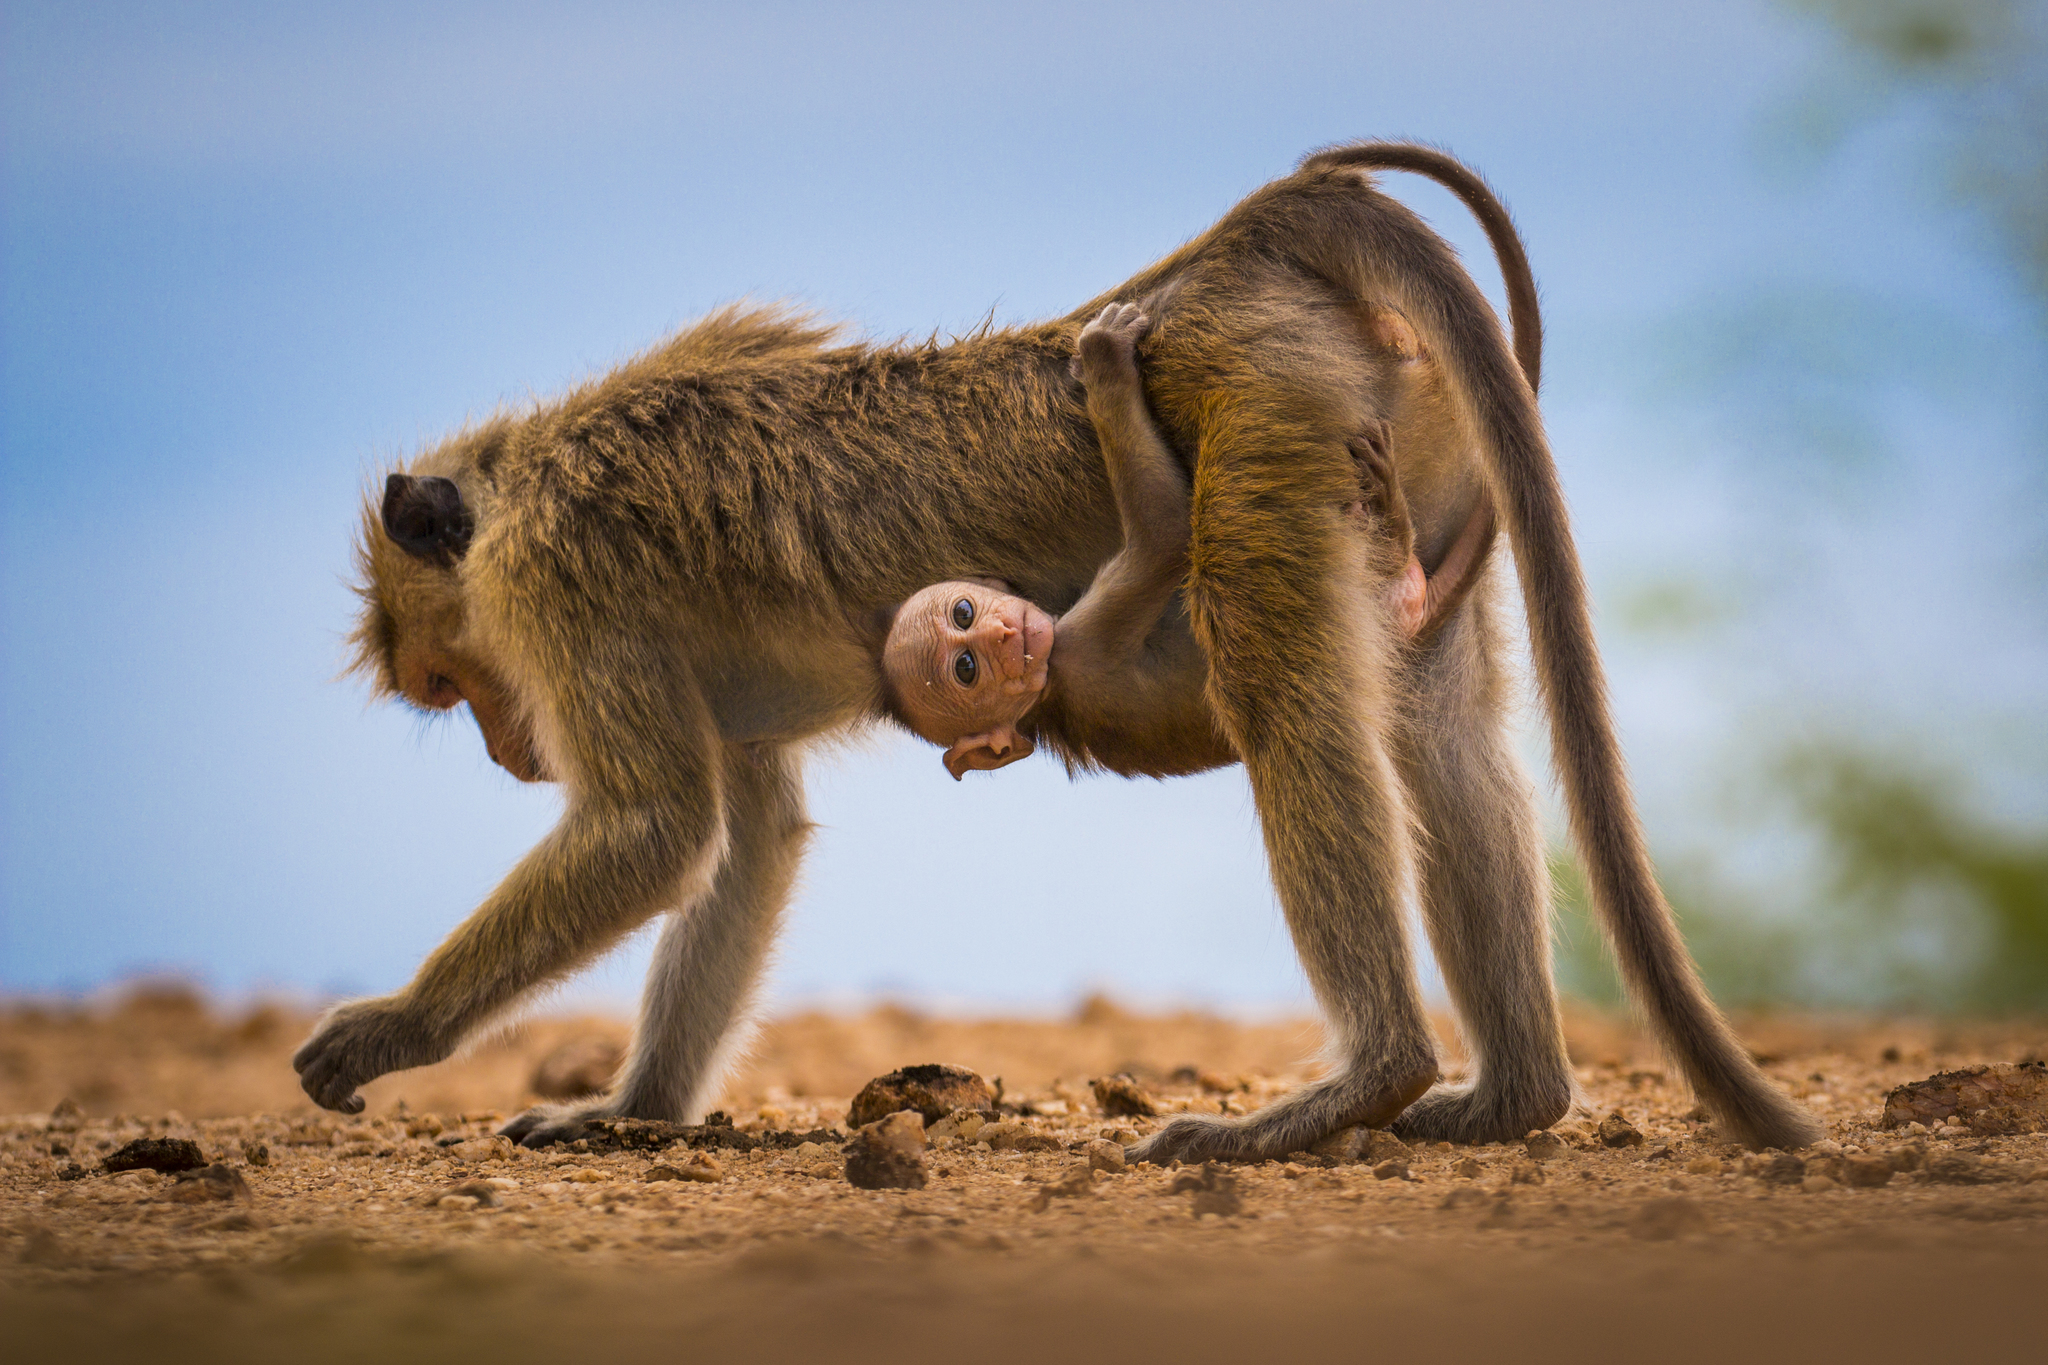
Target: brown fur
[{"x": 676, "y": 571}]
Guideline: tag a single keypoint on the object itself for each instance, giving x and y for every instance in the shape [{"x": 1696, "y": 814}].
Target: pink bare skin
[{"x": 965, "y": 687}]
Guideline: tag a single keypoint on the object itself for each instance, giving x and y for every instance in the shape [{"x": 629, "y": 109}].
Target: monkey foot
[
  {"x": 1291, "y": 1124},
  {"x": 1465, "y": 1113},
  {"x": 544, "y": 1125}
]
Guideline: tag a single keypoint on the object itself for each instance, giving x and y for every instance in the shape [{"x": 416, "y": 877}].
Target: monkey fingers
[{"x": 357, "y": 1043}]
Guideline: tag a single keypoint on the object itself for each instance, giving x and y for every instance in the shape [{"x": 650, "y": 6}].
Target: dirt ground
[{"x": 405, "y": 1234}]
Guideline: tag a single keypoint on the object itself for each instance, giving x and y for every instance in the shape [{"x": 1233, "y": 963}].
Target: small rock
[
  {"x": 255, "y": 1153},
  {"x": 1704, "y": 1165},
  {"x": 211, "y": 1184},
  {"x": 1377, "y": 1145},
  {"x": 1120, "y": 1097},
  {"x": 703, "y": 1171},
  {"x": 1866, "y": 1172},
  {"x": 888, "y": 1154},
  {"x": 587, "y": 1175},
  {"x": 1215, "y": 1191},
  {"x": 1818, "y": 1184},
  {"x": 1544, "y": 1146},
  {"x": 1468, "y": 1169},
  {"x": 1104, "y": 1155},
  {"x": 1394, "y": 1168},
  {"x": 579, "y": 1067},
  {"x": 1616, "y": 1131},
  {"x": 965, "y": 1124},
  {"x": 464, "y": 1194},
  {"x": 1775, "y": 1168},
  {"x": 492, "y": 1148},
  {"x": 1464, "y": 1197},
  {"x": 2003, "y": 1098},
  {"x": 1662, "y": 1220},
  {"x": 1526, "y": 1173},
  {"x": 1079, "y": 1181},
  {"x": 1960, "y": 1168},
  {"x": 424, "y": 1126},
  {"x": 167, "y": 1156},
  {"x": 239, "y": 1221},
  {"x": 67, "y": 1117},
  {"x": 71, "y": 1170},
  {"x": 1003, "y": 1136},
  {"x": 933, "y": 1091}
]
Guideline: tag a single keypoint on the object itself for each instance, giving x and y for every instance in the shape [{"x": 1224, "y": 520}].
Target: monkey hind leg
[
  {"x": 1298, "y": 676},
  {"x": 1485, "y": 891},
  {"x": 707, "y": 963}
]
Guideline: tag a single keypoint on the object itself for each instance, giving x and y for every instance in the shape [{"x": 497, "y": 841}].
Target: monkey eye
[
  {"x": 964, "y": 667},
  {"x": 963, "y": 616}
]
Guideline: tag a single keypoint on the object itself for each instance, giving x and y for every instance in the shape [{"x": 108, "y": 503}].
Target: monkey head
[
  {"x": 415, "y": 637},
  {"x": 965, "y": 660}
]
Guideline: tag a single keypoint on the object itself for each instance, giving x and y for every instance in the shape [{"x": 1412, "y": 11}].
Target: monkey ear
[
  {"x": 997, "y": 748},
  {"x": 425, "y": 518}
]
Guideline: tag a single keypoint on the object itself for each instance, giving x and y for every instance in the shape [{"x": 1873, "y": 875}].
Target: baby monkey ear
[
  {"x": 425, "y": 518},
  {"x": 997, "y": 748}
]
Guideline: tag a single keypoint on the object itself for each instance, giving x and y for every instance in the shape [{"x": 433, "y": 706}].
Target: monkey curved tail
[{"x": 1391, "y": 253}]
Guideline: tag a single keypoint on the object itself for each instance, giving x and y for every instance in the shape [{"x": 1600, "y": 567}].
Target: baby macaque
[{"x": 967, "y": 660}]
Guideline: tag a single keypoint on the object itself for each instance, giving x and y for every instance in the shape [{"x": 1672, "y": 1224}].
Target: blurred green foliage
[
  {"x": 1919, "y": 900},
  {"x": 1976, "y": 73},
  {"x": 1906, "y": 892}
]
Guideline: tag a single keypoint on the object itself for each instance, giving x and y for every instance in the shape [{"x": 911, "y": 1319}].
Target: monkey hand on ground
[{"x": 358, "y": 1042}]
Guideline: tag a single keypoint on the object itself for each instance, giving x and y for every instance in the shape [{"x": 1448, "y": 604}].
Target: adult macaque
[
  {"x": 965, "y": 663},
  {"x": 656, "y": 588}
]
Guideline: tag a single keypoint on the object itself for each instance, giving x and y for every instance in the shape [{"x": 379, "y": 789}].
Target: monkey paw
[
  {"x": 1464, "y": 1113},
  {"x": 544, "y": 1125},
  {"x": 1108, "y": 348},
  {"x": 355, "y": 1044}
]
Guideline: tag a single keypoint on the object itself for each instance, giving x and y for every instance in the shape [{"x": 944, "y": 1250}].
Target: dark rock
[
  {"x": 1616, "y": 1131},
  {"x": 888, "y": 1154},
  {"x": 932, "y": 1090},
  {"x": 1865, "y": 1172},
  {"x": 1960, "y": 1168},
  {"x": 168, "y": 1156},
  {"x": 579, "y": 1067},
  {"x": 2004, "y": 1098},
  {"x": 1120, "y": 1097}
]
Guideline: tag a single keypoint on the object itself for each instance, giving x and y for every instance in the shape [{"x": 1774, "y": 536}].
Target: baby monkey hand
[{"x": 1108, "y": 348}]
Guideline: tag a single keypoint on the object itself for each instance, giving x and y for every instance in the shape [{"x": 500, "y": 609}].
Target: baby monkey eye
[
  {"x": 963, "y": 616},
  {"x": 964, "y": 667}
]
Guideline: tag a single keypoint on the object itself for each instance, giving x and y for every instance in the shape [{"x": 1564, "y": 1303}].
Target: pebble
[
  {"x": 1616, "y": 1131},
  {"x": 1866, "y": 1172},
  {"x": 1468, "y": 1169},
  {"x": 211, "y": 1184},
  {"x": 1704, "y": 1165},
  {"x": 1818, "y": 1184},
  {"x": 481, "y": 1149},
  {"x": 1542, "y": 1146},
  {"x": 1104, "y": 1155},
  {"x": 888, "y": 1154},
  {"x": 932, "y": 1091},
  {"x": 1120, "y": 1097},
  {"x": 703, "y": 1171},
  {"x": 587, "y": 1175},
  {"x": 1394, "y": 1168},
  {"x": 167, "y": 1155}
]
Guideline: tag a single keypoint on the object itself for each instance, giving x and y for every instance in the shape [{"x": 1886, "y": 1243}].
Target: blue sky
[{"x": 251, "y": 252}]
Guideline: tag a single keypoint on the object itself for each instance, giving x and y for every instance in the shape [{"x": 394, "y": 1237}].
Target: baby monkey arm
[{"x": 1100, "y": 660}]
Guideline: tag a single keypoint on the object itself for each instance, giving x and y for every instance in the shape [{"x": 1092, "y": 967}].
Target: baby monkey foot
[{"x": 1108, "y": 349}]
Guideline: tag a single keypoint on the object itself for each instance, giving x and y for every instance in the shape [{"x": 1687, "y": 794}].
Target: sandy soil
[{"x": 348, "y": 1240}]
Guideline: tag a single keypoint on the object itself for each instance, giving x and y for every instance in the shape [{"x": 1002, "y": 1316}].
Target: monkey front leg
[
  {"x": 603, "y": 871},
  {"x": 708, "y": 963}
]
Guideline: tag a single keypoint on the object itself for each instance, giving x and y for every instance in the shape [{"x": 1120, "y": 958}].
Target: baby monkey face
[{"x": 967, "y": 658}]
